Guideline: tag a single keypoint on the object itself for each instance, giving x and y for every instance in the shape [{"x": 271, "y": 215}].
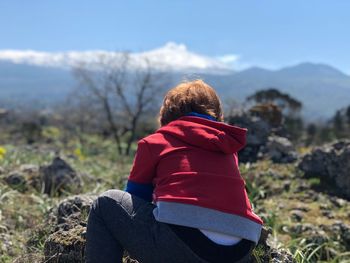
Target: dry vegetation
[{"x": 303, "y": 221}]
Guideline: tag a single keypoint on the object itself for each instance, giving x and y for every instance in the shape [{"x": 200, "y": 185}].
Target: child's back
[{"x": 185, "y": 199}]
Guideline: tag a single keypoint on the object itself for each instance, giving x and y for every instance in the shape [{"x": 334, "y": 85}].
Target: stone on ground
[{"x": 330, "y": 163}]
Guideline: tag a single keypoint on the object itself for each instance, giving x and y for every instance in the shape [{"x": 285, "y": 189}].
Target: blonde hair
[{"x": 191, "y": 96}]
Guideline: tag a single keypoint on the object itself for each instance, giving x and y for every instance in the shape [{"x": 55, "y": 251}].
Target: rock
[
  {"x": 258, "y": 129},
  {"x": 260, "y": 143},
  {"x": 286, "y": 185},
  {"x": 2, "y": 170},
  {"x": 25, "y": 177},
  {"x": 302, "y": 208},
  {"x": 345, "y": 235},
  {"x": 339, "y": 231},
  {"x": 312, "y": 234},
  {"x": 29, "y": 168},
  {"x": 9, "y": 246},
  {"x": 297, "y": 215},
  {"x": 318, "y": 237},
  {"x": 279, "y": 150},
  {"x": 280, "y": 256},
  {"x": 6, "y": 244},
  {"x": 258, "y": 132},
  {"x": 308, "y": 196},
  {"x": 267, "y": 250},
  {"x": 338, "y": 202},
  {"x": 324, "y": 206},
  {"x": 330, "y": 163},
  {"x": 59, "y": 177},
  {"x": 32, "y": 258},
  {"x": 53, "y": 179},
  {"x": 67, "y": 242},
  {"x": 15, "y": 180},
  {"x": 66, "y": 246},
  {"x": 314, "y": 164},
  {"x": 74, "y": 209},
  {"x": 302, "y": 186},
  {"x": 299, "y": 229},
  {"x": 328, "y": 213}
]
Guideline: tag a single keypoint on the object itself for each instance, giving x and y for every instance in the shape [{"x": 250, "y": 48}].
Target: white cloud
[
  {"x": 229, "y": 58},
  {"x": 171, "y": 56},
  {"x": 234, "y": 61}
]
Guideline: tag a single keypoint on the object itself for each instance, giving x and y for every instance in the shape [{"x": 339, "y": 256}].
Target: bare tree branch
[{"x": 124, "y": 93}]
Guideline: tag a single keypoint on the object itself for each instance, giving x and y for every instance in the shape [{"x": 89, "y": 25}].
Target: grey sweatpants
[{"x": 119, "y": 221}]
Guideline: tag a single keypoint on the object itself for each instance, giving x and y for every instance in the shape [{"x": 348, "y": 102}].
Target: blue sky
[{"x": 261, "y": 32}]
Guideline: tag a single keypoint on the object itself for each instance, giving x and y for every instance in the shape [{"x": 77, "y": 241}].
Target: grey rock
[
  {"x": 330, "y": 163},
  {"x": 324, "y": 206},
  {"x": 270, "y": 252},
  {"x": 328, "y": 213},
  {"x": 67, "y": 242},
  {"x": 66, "y": 246},
  {"x": 58, "y": 177},
  {"x": 280, "y": 256},
  {"x": 279, "y": 150},
  {"x": 9, "y": 245},
  {"x": 297, "y": 215},
  {"x": 303, "y": 228},
  {"x": 317, "y": 237},
  {"x": 338, "y": 202},
  {"x": 258, "y": 129},
  {"x": 302, "y": 208},
  {"x": 25, "y": 177},
  {"x": 340, "y": 231},
  {"x": 313, "y": 234},
  {"x": 260, "y": 143},
  {"x": 74, "y": 208},
  {"x": 29, "y": 168},
  {"x": 15, "y": 179},
  {"x": 32, "y": 258},
  {"x": 258, "y": 133}
]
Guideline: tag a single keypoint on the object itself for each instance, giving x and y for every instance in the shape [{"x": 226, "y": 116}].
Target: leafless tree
[
  {"x": 79, "y": 115},
  {"x": 124, "y": 92}
]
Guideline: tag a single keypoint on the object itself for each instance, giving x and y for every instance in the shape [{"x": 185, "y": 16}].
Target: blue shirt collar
[{"x": 195, "y": 114}]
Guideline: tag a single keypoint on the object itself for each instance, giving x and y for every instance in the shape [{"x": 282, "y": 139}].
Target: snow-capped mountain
[
  {"x": 172, "y": 56},
  {"x": 46, "y": 77}
]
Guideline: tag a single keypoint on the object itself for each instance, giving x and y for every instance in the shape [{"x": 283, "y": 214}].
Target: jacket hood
[{"x": 207, "y": 134}]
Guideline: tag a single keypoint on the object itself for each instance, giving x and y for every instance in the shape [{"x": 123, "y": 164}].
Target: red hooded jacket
[{"x": 192, "y": 164}]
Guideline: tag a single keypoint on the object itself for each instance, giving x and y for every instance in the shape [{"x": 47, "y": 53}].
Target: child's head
[{"x": 191, "y": 96}]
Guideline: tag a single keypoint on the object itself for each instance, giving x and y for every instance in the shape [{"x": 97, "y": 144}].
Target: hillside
[{"x": 321, "y": 88}]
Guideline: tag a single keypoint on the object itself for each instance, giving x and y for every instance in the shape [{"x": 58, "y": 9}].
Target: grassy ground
[
  {"x": 23, "y": 210},
  {"x": 301, "y": 219},
  {"x": 276, "y": 192}
]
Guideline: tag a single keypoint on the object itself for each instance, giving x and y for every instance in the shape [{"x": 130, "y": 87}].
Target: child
[{"x": 185, "y": 200}]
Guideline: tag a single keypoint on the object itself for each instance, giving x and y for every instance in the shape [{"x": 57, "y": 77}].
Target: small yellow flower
[
  {"x": 78, "y": 153},
  {"x": 2, "y": 152}
]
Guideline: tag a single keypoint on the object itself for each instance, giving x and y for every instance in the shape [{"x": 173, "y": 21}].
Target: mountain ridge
[{"x": 321, "y": 88}]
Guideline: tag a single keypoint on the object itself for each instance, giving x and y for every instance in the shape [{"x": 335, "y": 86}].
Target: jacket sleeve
[{"x": 142, "y": 173}]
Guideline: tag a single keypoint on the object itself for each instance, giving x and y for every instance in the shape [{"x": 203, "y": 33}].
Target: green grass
[{"x": 23, "y": 211}]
